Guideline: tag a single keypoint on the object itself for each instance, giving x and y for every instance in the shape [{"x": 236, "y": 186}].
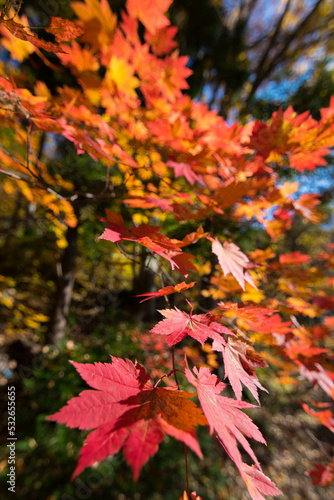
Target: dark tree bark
[{"x": 65, "y": 283}]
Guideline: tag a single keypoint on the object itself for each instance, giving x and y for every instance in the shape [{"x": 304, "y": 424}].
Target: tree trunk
[{"x": 65, "y": 283}]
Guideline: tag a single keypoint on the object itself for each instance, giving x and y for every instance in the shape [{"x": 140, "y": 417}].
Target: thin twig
[
  {"x": 167, "y": 375},
  {"x": 12, "y": 157},
  {"x": 319, "y": 443},
  {"x": 16, "y": 175}
]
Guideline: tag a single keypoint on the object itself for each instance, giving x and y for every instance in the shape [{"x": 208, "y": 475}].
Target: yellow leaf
[
  {"x": 252, "y": 295},
  {"x": 96, "y": 14},
  {"x": 18, "y": 49},
  {"x": 288, "y": 188},
  {"x": 42, "y": 318},
  {"x": 140, "y": 219},
  {"x": 31, "y": 323},
  {"x": 303, "y": 307},
  {"x": 7, "y": 302},
  {"x": 41, "y": 90},
  {"x": 121, "y": 74}
]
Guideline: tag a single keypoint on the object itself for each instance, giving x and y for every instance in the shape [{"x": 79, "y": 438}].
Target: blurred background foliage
[{"x": 248, "y": 58}]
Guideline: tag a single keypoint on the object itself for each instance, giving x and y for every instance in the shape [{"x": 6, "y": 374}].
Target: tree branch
[
  {"x": 271, "y": 44},
  {"x": 278, "y": 57}
]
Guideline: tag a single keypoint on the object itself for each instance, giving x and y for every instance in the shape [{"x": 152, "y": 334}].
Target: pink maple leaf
[
  {"x": 179, "y": 324},
  {"x": 257, "y": 482},
  {"x": 320, "y": 376},
  {"x": 233, "y": 260},
  {"x": 239, "y": 361},
  {"x": 224, "y": 415},
  {"x": 183, "y": 169}
]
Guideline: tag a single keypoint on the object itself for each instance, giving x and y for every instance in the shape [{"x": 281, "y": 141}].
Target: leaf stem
[
  {"x": 168, "y": 375},
  {"x": 174, "y": 369},
  {"x": 186, "y": 461},
  {"x": 185, "y": 449}
]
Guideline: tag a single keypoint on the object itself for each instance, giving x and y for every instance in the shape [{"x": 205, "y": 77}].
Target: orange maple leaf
[
  {"x": 325, "y": 416},
  {"x": 161, "y": 41},
  {"x": 167, "y": 290},
  {"x": 98, "y": 20},
  {"x": 294, "y": 259},
  {"x": 79, "y": 59},
  {"x": 151, "y": 14}
]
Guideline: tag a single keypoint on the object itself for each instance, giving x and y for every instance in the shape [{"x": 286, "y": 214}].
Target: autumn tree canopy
[{"x": 181, "y": 186}]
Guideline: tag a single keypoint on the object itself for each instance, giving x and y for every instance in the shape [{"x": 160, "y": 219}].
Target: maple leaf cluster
[
  {"x": 163, "y": 134},
  {"x": 127, "y": 412},
  {"x": 178, "y": 160}
]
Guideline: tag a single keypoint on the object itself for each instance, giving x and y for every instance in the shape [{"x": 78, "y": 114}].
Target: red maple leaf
[
  {"x": 322, "y": 475},
  {"x": 182, "y": 261},
  {"x": 239, "y": 361},
  {"x": 294, "y": 259},
  {"x": 179, "y": 324},
  {"x": 127, "y": 411},
  {"x": 262, "y": 139},
  {"x": 224, "y": 415},
  {"x": 233, "y": 260},
  {"x": 149, "y": 237},
  {"x": 167, "y": 290},
  {"x": 63, "y": 29}
]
